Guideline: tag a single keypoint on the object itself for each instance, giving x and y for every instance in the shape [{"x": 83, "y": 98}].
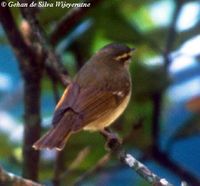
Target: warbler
[{"x": 95, "y": 98}]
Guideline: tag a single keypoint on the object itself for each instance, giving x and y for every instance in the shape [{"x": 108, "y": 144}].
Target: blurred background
[{"x": 161, "y": 125}]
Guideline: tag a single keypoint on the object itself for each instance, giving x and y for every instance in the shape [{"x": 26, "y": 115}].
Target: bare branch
[
  {"x": 172, "y": 33},
  {"x": 8, "y": 179},
  {"x": 143, "y": 171},
  {"x": 54, "y": 66},
  {"x": 185, "y": 175},
  {"x": 31, "y": 67},
  {"x": 114, "y": 145},
  {"x": 19, "y": 46},
  {"x": 70, "y": 20},
  {"x": 98, "y": 166}
]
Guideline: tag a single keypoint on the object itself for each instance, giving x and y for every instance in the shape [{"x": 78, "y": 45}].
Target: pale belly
[{"x": 108, "y": 118}]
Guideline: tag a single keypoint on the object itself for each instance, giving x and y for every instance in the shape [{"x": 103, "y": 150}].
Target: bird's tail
[{"x": 55, "y": 138}]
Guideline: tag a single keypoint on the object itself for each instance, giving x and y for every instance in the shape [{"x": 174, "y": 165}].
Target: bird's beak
[
  {"x": 132, "y": 50},
  {"x": 130, "y": 54}
]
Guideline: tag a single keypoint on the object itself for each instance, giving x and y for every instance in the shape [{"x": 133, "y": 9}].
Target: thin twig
[
  {"x": 72, "y": 18},
  {"x": 61, "y": 174},
  {"x": 98, "y": 166},
  {"x": 79, "y": 158},
  {"x": 7, "y": 178}
]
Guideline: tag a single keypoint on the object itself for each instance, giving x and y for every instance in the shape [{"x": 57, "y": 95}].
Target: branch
[
  {"x": 143, "y": 171},
  {"x": 7, "y": 178},
  {"x": 54, "y": 66},
  {"x": 187, "y": 34},
  {"x": 69, "y": 21},
  {"x": 19, "y": 46},
  {"x": 157, "y": 99},
  {"x": 98, "y": 166},
  {"x": 113, "y": 144},
  {"x": 157, "y": 105},
  {"x": 172, "y": 33},
  {"x": 31, "y": 67},
  {"x": 164, "y": 160}
]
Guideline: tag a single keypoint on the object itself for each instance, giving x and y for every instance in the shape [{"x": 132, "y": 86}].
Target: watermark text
[{"x": 44, "y": 4}]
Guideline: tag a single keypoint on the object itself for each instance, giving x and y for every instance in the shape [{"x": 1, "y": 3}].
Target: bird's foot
[{"x": 113, "y": 142}]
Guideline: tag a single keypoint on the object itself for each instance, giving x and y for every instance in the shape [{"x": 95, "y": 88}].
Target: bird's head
[{"x": 117, "y": 54}]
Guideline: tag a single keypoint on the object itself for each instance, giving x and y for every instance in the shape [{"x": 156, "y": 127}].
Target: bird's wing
[
  {"x": 89, "y": 104},
  {"x": 66, "y": 102},
  {"x": 93, "y": 103}
]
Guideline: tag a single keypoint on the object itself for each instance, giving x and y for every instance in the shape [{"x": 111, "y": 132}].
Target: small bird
[{"x": 95, "y": 98}]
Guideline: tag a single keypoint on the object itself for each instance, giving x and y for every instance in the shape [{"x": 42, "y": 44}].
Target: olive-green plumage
[{"x": 97, "y": 96}]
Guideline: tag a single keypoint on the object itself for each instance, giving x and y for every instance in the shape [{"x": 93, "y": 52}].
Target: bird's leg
[
  {"x": 113, "y": 141},
  {"x": 108, "y": 134}
]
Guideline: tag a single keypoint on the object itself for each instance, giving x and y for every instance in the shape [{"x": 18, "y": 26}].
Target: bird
[{"x": 95, "y": 98}]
